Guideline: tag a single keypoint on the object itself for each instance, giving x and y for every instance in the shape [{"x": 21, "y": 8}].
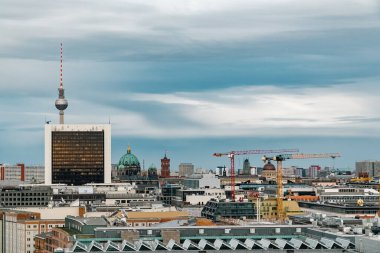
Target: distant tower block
[
  {"x": 61, "y": 103},
  {"x": 246, "y": 167},
  {"x": 165, "y": 167}
]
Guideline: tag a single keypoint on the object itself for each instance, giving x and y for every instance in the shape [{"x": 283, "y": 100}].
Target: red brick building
[{"x": 165, "y": 167}]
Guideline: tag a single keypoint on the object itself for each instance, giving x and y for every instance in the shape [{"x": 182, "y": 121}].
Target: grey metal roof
[{"x": 214, "y": 245}]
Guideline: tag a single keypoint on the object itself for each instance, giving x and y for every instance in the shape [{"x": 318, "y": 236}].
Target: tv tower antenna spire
[{"x": 61, "y": 103}]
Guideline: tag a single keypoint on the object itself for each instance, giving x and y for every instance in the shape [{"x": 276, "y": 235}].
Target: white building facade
[
  {"x": 201, "y": 199},
  {"x": 77, "y": 154}
]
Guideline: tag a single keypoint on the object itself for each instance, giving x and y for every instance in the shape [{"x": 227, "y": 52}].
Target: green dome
[{"x": 128, "y": 160}]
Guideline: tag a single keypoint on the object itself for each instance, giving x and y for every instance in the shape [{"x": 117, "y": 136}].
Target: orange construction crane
[
  {"x": 232, "y": 154},
  {"x": 280, "y": 159}
]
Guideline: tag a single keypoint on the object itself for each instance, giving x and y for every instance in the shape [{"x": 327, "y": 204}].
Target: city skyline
[{"x": 195, "y": 78}]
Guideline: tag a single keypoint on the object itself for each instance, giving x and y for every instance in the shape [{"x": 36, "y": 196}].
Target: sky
[{"x": 191, "y": 78}]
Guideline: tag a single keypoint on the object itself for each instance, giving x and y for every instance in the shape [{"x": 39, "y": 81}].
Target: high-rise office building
[
  {"x": 186, "y": 169},
  {"x": 368, "y": 168},
  {"x": 246, "y": 167},
  {"x": 314, "y": 171},
  {"x": 77, "y": 154}
]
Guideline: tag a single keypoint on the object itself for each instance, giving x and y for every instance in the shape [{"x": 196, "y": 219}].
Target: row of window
[
  {"x": 25, "y": 199},
  {"x": 42, "y": 226},
  {"x": 11, "y": 194},
  {"x": 25, "y": 204}
]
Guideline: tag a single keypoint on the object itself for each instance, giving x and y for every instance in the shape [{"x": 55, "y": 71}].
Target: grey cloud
[
  {"x": 285, "y": 119},
  {"x": 359, "y": 119},
  {"x": 113, "y": 47},
  {"x": 205, "y": 50},
  {"x": 158, "y": 36},
  {"x": 159, "y": 115}
]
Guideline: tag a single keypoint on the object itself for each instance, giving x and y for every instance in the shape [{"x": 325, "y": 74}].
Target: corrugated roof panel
[
  {"x": 221, "y": 245},
  {"x": 283, "y": 244},
  {"x": 298, "y": 244},
  {"x": 111, "y": 246},
  {"x": 189, "y": 245},
  {"x": 330, "y": 243},
  {"x": 346, "y": 244},
  {"x": 236, "y": 244},
  {"x": 206, "y": 245},
  {"x": 172, "y": 245},
  {"x": 126, "y": 246}
]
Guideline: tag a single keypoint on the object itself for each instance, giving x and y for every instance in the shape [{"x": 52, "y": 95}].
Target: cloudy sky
[{"x": 195, "y": 77}]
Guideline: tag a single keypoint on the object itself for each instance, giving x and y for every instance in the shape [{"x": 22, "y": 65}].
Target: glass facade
[
  {"x": 217, "y": 209},
  {"x": 77, "y": 157}
]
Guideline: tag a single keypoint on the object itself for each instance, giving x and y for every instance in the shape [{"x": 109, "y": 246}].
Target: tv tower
[{"x": 61, "y": 103}]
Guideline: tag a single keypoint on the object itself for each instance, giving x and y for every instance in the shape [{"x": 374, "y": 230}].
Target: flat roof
[
  {"x": 160, "y": 215},
  {"x": 208, "y": 227},
  {"x": 91, "y": 221}
]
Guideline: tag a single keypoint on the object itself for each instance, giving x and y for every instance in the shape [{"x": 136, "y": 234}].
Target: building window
[{"x": 77, "y": 157}]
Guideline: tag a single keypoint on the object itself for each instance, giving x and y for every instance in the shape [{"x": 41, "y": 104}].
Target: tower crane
[
  {"x": 280, "y": 159},
  {"x": 232, "y": 154}
]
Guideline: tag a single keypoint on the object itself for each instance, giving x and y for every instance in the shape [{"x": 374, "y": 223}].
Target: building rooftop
[
  {"x": 159, "y": 215},
  {"x": 305, "y": 244},
  {"x": 44, "y": 235},
  {"x": 272, "y": 238},
  {"x": 93, "y": 221},
  {"x": 70, "y": 231}
]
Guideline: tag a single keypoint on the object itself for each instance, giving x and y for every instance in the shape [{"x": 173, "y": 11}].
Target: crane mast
[
  {"x": 279, "y": 190},
  {"x": 279, "y": 193},
  {"x": 232, "y": 154}
]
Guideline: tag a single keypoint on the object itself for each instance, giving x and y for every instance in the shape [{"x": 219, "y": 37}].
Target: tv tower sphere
[{"x": 61, "y": 104}]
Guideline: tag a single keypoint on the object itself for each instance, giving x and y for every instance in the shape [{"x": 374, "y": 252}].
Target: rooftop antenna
[{"x": 60, "y": 69}]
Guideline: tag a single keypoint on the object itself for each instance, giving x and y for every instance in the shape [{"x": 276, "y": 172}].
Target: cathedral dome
[
  {"x": 269, "y": 166},
  {"x": 129, "y": 163}
]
